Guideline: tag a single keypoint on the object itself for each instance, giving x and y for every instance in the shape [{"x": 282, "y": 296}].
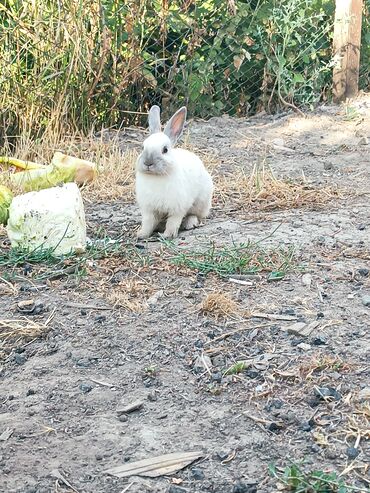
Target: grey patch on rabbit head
[{"x": 156, "y": 156}]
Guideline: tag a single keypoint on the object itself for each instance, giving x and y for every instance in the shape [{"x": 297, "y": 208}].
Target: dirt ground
[{"x": 299, "y": 397}]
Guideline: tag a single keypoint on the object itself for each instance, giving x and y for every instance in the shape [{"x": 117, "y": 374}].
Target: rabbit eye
[{"x": 164, "y": 150}]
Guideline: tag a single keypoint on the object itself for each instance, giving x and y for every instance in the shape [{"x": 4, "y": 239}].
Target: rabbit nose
[{"x": 148, "y": 164}]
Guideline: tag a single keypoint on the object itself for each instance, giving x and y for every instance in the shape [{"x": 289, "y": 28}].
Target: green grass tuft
[
  {"x": 42, "y": 263},
  {"x": 293, "y": 479},
  {"x": 243, "y": 258},
  {"x": 238, "y": 367}
]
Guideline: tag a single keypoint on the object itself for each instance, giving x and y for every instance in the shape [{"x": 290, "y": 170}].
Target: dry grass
[
  {"x": 261, "y": 189},
  {"x": 7, "y": 288},
  {"x": 132, "y": 295},
  {"x": 116, "y": 177},
  {"x": 16, "y": 332},
  {"x": 219, "y": 305},
  {"x": 317, "y": 366},
  {"x": 115, "y": 168}
]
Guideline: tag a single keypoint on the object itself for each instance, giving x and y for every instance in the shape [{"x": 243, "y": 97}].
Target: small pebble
[
  {"x": 352, "y": 452},
  {"x": 328, "y": 166},
  {"x": 327, "y": 392},
  {"x": 305, "y": 426},
  {"x": 218, "y": 361},
  {"x": 361, "y": 227},
  {"x": 197, "y": 474},
  {"x": 287, "y": 311},
  {"x": 252, "y": 373},
  {"x": 366, "y": 300},
  {"x": 274, "y": 404},
  {"x": 222, "y": 455},
  {"x": 332, "y": 454},
  {"x": 83, "y": 362},
  {"x": 152, "y": 396},
  {"x": 273, "y": 426},
  {"x": 313, "y": 401},
  {"x": 123, "y": 418},
  {"x": 240, "y": 487},
  {"x": 217, "y": 377},
  {"x": 304, "y": 346},
  {"x": 30, "y": 392},
  {"x": 319, "y": 341},
  {"x": 363, "y": 272},
  {"x": 20, "y": 359},
  {"x": 85, "y": 388}
]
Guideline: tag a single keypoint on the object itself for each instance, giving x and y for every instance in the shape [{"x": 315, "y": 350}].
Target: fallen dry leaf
[{"x": 156, "y": 466}]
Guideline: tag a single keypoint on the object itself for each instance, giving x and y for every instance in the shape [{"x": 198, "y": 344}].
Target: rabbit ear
[
  {"x": 154, "y": 119},
  {"x": 174, "y": 127}
]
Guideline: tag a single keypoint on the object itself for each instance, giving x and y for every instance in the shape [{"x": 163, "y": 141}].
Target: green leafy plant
[
  {"x": 294, "y": 479},
  {"x": 90, "y": 63},
  {"x": 236, "y": 368}
]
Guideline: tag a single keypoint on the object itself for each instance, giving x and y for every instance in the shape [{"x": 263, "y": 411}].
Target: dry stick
[
  {"x": 127, "y": 488},
  {"x": 87, "y": 307},
  {"x": 104, "y": 384},
  {"x": 228, "y": 334},
  {"x": 258, "y": 421}
]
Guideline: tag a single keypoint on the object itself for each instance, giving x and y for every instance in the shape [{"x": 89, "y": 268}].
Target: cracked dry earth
[{"x": 60, "y": 393}]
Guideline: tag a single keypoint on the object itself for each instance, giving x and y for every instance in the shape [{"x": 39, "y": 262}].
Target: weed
[
  {"x": 242, "y": 258},
  {"x": 41, "y": 263},
  {"x": 151, "y": 371},
  {"x": 293, "y": 479},
  {"x": 238, "y": 367},
  {"x": 351, "y": 113}
]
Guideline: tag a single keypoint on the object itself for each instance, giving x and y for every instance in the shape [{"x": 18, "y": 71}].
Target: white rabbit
[{"x": 172, "y": 185}]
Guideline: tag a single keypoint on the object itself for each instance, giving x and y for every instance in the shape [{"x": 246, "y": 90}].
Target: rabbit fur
[{"x": 172, "y": 184}]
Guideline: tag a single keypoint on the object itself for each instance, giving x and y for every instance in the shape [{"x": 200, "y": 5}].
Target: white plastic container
[{"x": 51, "y": 218}]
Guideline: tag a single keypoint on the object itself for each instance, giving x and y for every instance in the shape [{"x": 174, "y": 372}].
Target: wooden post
[{"x": 346, "y": 46}]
